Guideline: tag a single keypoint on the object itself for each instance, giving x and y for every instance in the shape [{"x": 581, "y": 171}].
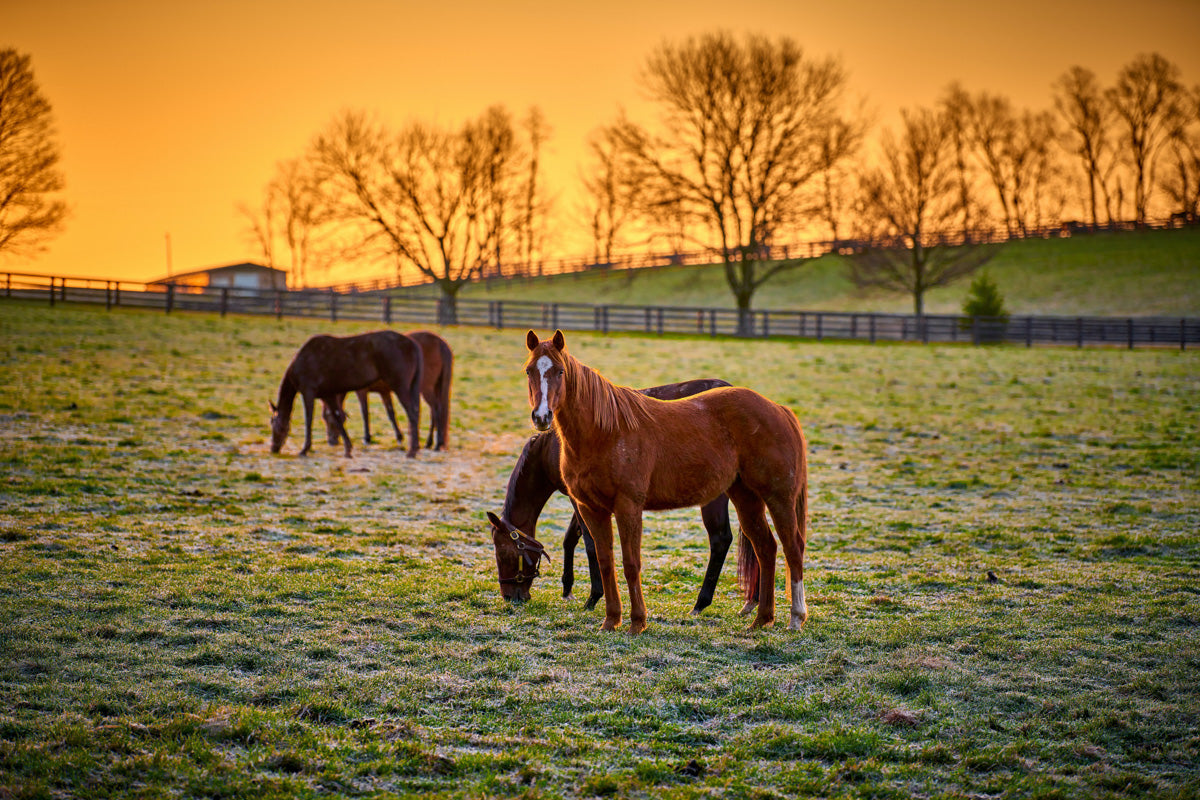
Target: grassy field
[
  {"x": 1124, "y": 274},
  {"x": 184, "y": 614}
]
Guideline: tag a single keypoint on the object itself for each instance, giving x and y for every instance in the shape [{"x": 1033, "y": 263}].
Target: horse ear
[
  {"x": 492, "y": 518},
  {"x": 560, "y": 341},
  {"x": 531, "y": 340}
]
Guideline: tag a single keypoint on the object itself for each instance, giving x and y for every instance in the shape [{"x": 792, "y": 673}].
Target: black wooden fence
[{"x": 1128, "y": 332}]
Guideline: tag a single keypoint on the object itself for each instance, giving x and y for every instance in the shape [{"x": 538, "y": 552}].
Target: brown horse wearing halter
[{"x": 624, "y": 452}]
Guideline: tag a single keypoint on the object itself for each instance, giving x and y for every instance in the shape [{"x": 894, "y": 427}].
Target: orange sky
[{"x": 172, "y": 113}]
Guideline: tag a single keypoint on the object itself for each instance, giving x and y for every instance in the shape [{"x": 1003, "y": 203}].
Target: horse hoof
[
  {"x": 746, "y": 609},
  {"x": 798, "y": 621},
  {"x": 762, "y": 622},
  {"x": 636, "y": 627},
  {"x": 609, "y": 625}
]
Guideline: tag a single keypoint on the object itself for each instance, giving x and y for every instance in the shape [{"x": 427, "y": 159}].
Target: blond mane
[{"x": 614, "y": 407}]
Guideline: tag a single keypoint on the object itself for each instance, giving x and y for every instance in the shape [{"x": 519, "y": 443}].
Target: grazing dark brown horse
[
  {"x": 327, "y": 367},
  {"x": 435, "y": 388},
  {"x": 537, "y": 476},
  {"x": 624, "y": 452}
]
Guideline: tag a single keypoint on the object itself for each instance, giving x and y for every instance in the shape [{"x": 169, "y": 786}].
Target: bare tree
[
  {"x": 1080, "y": 101},
  {"x": 531, "y": 240},
  {"x": 437, "y": 200},
  {"x": 294, "y": 217},
  {"x": 956, "y": 105},
  {"x": 1015, "y": 152},
  {"x": 30, "y": 214},
  {"x": 612, "y": 193},
  {"x": 1148, "y": 100},
  {"x": 911, "y": 204},
  {"x": 743, "y": 127},
  {"x": 1181, "y": 183},
  {"x": 835, "y": 179}
]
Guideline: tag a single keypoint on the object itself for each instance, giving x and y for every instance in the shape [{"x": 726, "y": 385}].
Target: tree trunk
[{"x": 448, "y": 303}]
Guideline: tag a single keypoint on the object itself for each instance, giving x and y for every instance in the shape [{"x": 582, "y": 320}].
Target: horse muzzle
[{"x": 542, "y": 421}]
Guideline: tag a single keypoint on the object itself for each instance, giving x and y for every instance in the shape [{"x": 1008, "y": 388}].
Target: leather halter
[{"x": 529, "y": 554}]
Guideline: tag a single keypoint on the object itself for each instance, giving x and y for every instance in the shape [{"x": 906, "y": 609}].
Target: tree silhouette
[
  {"x": 444, "y": 202},
  {"x": 911, "y": 206},
  {"x": 1148, "y": 99},
  {"x": 294, "y": 217},
  {"x": 30, "y": 214},
  {"x": 1080, "y": 101},
  {"x": 743, "y": 135}
]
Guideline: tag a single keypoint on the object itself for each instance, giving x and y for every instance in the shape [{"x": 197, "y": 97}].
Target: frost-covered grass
[{"x": 182, "y": 613}]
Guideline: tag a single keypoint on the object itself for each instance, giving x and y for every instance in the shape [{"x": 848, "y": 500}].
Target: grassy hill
[{"x": 1142, "y": 273}]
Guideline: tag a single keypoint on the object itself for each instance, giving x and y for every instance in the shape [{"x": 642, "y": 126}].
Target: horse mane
[
  {"x": 517, "y": 472},
  {"x": 615, "y": 407}
]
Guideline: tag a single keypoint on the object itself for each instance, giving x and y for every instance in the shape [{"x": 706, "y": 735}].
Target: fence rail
[{"x": 1078, "y": 331}]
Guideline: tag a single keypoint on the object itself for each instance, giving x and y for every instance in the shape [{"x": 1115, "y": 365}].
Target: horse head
[
  {"x": 544, "y": 368},
  {"x": 518, "y": 558},
  {"x": 280, "y": 425}
]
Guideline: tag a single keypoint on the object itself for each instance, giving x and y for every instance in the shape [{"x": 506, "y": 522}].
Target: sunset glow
[{"x": 171, "y": 114}]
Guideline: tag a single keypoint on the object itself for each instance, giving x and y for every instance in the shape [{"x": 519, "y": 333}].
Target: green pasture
[
  {"x": 1002, "y": 580},
  {"x": 1145, "y": 273}
]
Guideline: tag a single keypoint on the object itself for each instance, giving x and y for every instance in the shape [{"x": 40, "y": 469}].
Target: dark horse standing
[
  {"x": 435, "y": 388},
  {"x": 537, "y": 476},
  {"x": 327, "y": 367}
]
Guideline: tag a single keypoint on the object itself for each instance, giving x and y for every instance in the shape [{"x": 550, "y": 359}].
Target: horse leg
[
  {"x": 308, "y": 423},
  {"x": 599, "y": 525},
  {"x": 752, "y": 518},
  {"x": 597, "y": 585},
  {"x": 716, "y": 521},
  {"x": 787, "y": 517},
  {"x": 433, "y": 424},
  {"x": 362, "y": 406},
  {"x": 412, "y": 407},
  {"x": 570, "y": 539},
  {"x": 391, "y": 414},
  {"x": 629, "y": 528}
]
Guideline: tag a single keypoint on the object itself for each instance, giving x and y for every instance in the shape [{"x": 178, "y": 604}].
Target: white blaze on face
[{"x": 543, "y": 364}]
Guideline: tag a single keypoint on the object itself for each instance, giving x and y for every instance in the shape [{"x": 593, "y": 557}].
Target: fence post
[
  {"x": 660, "y": 322},
  {"x": 820, "y": 326},
  {"x": 108, "y": 295},
  {"x": 333, "y": 306},
  {"x": 871, "y": 324},
  {"x": 387, "y": 309},
  {"x": 1182, "y": 333},
  {"x": 499, "y": 315},
  {"x": 170, "y": 297},
  {"x": 766, "y": 333},
  {"x": 278, "y": 304},
  {"x": 224, "y": 300},
  {"x": 1129, "y": 331},
  {"x": 52, "y": 280},
  {"x": 712, "y": 322},
  {"x": 1079, "y": 331},
  {"x": 1029, "y": 331}
]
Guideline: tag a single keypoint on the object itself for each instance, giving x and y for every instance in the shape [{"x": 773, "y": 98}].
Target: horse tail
[
  {"x": 443, "y": 393},
  {"x": 747, "y": 567}
]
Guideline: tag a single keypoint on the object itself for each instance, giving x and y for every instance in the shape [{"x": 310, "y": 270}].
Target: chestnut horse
[
  {"x": 435, "y": 388},
  {"x": 537, "y": 476},
  {"x": 327, "y": 367},
  {"x": 624, "y": 452}
]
